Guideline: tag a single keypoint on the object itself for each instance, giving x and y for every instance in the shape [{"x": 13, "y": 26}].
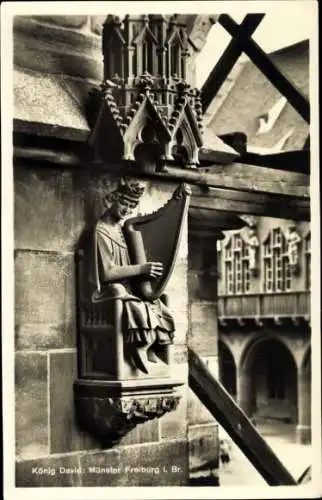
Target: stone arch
[
  {"x": 254, "y": 341},
  {"x": 227, "y": 368},
  {"x": 268, "y": 380}
]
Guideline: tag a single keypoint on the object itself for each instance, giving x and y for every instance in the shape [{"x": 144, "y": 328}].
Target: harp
[{"x": 156, "y": 237}]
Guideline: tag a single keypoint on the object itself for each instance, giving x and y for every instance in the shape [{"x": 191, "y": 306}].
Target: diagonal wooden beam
[
  {"x": 287, "y": 88},
  {"x": 226, "y": 62},
  {"x": 222, "y": 406}
]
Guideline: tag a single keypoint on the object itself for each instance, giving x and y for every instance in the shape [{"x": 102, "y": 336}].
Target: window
[
  {"x": 277, "y": 273},
  {"x": 307, "y": 256},
  {"x": 237, "y": 275}
]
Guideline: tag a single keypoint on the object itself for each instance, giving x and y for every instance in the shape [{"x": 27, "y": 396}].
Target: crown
[{"x": 131, "y": 189}]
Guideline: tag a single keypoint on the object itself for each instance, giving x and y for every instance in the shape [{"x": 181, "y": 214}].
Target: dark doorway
[
  {"x": 227, "y": 369},
  {"x": 273, "y": 379}
]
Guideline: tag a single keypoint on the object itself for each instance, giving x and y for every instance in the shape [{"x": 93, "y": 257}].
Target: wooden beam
[
  {"x": 222, "y": 406},
  {"x": 226, "y": 62},
  {"x": 237, "y": 176},
  {"x": 306, "y": 476},
  {"x": 269, "y": 69},
  {"x": 292, "y": 161},
  {"x": 235, "y": 188},
  {"x": 233, "y": 201},
  {"x": 253, "y": 179}
]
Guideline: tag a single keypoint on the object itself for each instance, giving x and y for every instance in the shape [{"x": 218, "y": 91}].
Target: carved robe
[{"x": 140, "y": 318}]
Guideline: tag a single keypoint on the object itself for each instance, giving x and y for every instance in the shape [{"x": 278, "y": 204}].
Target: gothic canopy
[{"x": 146, "y": 110}]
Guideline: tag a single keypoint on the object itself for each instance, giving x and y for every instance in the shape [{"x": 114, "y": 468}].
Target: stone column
[
  {"x": 244, "y": 390},
  {"x": 303, "y": 429}
]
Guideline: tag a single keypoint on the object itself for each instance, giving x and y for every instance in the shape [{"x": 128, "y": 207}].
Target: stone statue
[
  {"x": 253, "y": 244},
  {"x": 146, "y": 324},
  {"x": 293, "y": 239}
]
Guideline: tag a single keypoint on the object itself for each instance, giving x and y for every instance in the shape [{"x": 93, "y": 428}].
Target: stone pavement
[{"x": 281, "y": 438}]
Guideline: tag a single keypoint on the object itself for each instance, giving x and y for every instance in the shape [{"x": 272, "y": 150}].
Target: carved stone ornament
[
  {"x": 145, "y": 111},
  {"x": 110, "y": 418}
]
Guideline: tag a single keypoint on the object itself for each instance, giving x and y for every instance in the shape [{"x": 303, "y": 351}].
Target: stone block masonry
[
  {"x": 155, "y": 464},
  {"x": 52, "y": 208}
]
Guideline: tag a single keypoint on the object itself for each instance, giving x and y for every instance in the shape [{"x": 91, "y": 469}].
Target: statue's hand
[{"x": 153, "y": 269}]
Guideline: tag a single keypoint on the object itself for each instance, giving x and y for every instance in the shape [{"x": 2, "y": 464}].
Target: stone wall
[
  {"x": 203, "y": 338},
  {"x": 52, "y": 209},
  {"x": 65, "y": 45}
]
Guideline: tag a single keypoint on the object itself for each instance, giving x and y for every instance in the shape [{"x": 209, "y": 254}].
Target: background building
[{"x": 264, "y": 300}]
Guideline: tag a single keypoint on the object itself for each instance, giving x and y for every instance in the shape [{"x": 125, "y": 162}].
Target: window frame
[
  {"x": 236, "y": 266},
  {"x": 277, "y": 277}
]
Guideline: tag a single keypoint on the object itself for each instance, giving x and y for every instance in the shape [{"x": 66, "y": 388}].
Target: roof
[
  {"x": 252, "y": 96},
  {"x": 302, "y": 44}
]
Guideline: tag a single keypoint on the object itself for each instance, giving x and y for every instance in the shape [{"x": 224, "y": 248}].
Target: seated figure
[{"x": 146, "y": 324}]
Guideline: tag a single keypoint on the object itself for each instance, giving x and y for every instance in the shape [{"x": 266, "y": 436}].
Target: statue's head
[{"x": 124, "y": 199}]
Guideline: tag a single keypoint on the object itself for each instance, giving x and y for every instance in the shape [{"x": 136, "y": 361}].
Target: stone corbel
[
  {"x": 222, "y": 322},
  {"x": 109, "y": 410},
  {"x": 240, "y": 322},
  {"x": 258, "y": 321},
  {"x": 278, "y": 320},
  {"x": 296, "y": 320}
]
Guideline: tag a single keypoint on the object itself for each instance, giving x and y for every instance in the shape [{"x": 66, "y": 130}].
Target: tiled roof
[{"x": 252, "y": 95}]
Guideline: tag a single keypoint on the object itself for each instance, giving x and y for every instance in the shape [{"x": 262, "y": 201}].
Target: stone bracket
[{"x": 110, "y": 409}]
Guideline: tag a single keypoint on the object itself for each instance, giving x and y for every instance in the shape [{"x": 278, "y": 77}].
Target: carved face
[{"x": 122, "y": 207}]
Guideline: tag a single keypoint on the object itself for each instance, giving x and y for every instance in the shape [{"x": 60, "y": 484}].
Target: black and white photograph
[{"x": 160, "y": 250}]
